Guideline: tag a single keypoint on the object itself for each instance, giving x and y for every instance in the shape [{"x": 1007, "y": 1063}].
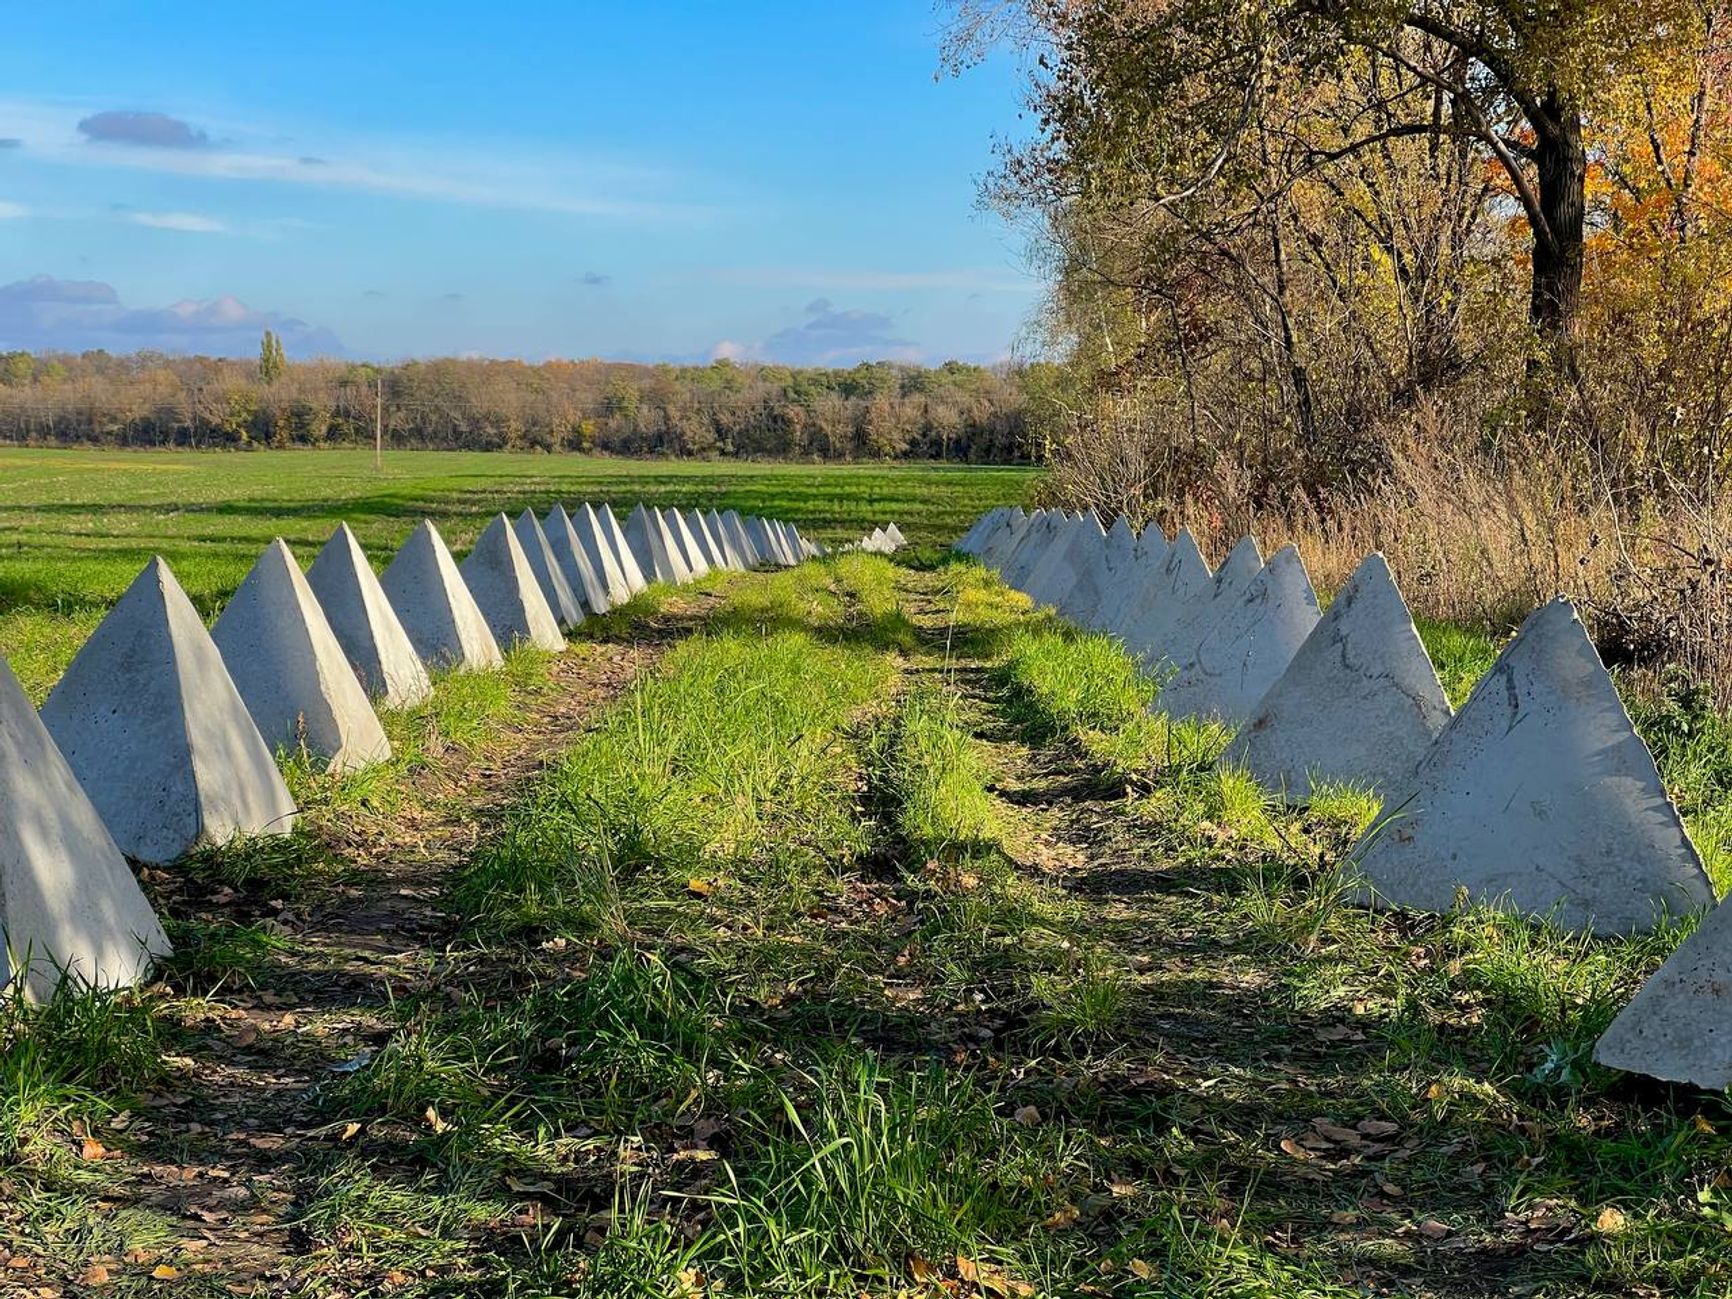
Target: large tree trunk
[{"x": 1562, "y": 162}]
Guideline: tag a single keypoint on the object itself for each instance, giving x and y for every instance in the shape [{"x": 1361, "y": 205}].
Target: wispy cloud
[
  {"x": 965, "y": 279},
  {"x": 186, "y": 222},
  {"x": 432, "y": 170},
  {"x": 829, "y": 336},
  {"x": 12, "y": 211}
]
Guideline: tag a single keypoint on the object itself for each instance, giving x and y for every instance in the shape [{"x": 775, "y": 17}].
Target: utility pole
[{"x": 379, "y": 421}]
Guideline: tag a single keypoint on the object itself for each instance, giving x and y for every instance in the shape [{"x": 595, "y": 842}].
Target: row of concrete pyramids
[
  {"x": 1538, "y": 795},
  {"x": 160, "y": 736},
  {"x": 881, "y": 541}
]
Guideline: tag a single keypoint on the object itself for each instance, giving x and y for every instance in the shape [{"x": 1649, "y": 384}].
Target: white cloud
[
  {"x": 964, "y": 279},
  {"x": 12, "y": 211},
  {"x": 500, "y": 176},
  {"x": 188, "y": 222}
]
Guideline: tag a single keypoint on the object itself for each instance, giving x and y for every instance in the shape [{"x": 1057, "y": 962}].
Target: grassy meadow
[
  {"x": 77, "y": 525},
  {"x": 853, "y": 930}
]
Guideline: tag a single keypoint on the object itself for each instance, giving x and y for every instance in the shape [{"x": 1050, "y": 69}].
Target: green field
[{"x": 76, "y": 526}]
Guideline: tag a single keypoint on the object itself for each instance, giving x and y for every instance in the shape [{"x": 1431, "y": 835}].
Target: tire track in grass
[
  {"x": 290, "y": 954},
  {"x": 1315, "y": 1100}
]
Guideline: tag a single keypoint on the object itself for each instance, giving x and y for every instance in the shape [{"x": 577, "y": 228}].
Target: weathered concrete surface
[
  {"x": 1183, "y": 635},
  {"x": 785, "y": 548},
  {"x": 1359, "y": 704},
  {"x": 895, "y": 535},
  {"x": 998, "y": 548},
  {"x": 1152, "y": 545},
  {"x": 365, "y": 624},
  {"x": 614, "y": 533},
  {"x": 725, "y": 542},
  {"x": 1043, "y": 529},
  {"x": 1184, "y": 586},
  {"x": 686, "y": 541},
  {"x": 1678, "y": 1027},
  {"x": 654, "y": 548},
  {"x": 433, "y": 602},
  {"x": 613, "y": 584},
  {"x": 736, "y": 529},
  {"x": 68, "y": 903},
  {"x": 291, "y": 670},
  {"x": 567, "y": 606},
  {"x": 708, "y": 542},
  {"x": 1102, "y": 574},
  {"x": 576, "y": 563},
  {"x": 1540, "y": 797},
  {"x": 768, "y": 541},
  {"x": 1059, "y": 569},
  {"x": 1248, "y": 644},
  {"x": 970, "y": 542},
  {"x": 153, "y": 727},
  {"x": 1125, "y": 602},
  {"x": 505, "y": 590}
]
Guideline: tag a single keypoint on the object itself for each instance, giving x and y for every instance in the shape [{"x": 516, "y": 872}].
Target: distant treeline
[{"x": 871, "y": 411}]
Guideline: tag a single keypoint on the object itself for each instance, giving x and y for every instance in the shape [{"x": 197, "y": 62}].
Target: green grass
[{"x": 76, "y": 526}]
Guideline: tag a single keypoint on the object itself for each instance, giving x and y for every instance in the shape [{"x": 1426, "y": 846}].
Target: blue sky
[{"x": 651, "y": 180}]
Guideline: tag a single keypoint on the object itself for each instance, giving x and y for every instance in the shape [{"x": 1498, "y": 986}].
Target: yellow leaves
[
  {"x": 1611, "y": 1221},
  {"x": 432, "y": 1119},
  {"x": 973, "y": 1277}
]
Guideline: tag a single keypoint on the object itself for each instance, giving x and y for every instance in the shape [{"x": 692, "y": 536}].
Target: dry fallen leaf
[
  {"x": 920, "y": 1269},
  {"x": 350, "y": 1132},
  {"x": 1610, "y": 1220},
  {"x": 1294, "y": 1149},
  {"x": 95, "y": 1274},
  {"x": 1432, "y": 1229},
  {"x": 1066, "y": 1215},
  {"x": 92, "y": 1149},
  {"x": 434, "y": 1121},
  {"x": 1142, "y": 1269},
  {"x": 163, "y": 1272},
  {"x": 1028, "y": 1116},
  {"x": 702, "y": 888}
]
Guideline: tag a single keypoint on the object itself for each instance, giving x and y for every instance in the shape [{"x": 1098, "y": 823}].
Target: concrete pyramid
[
  {"x": 1248, "y": 645},
  {"x": 153, "y": 727},
  {"x": 1183, "y": 586},
  {"x": 690, "y": 548},
  {"x": 1185, "y": 632},
  {"x": 1359, "y": 704},
  {"x": 765, "y": 542},
  {"x": 365, "y": 624},
  {"x": 896, "y": 537},
  {"x": 735, "y": 527},
  {"x": 725, "y": 545},
  {"x": 1003, "y": 540},
  {"x": 575, "y": 563},
  {"x": 783, "y": 543},
  {"x": 1152, "y": 545},
  {"x": 68, "y": 902},
  {"x": 970, "y": 542},
  {"x": 1678, "y": 1027},
  {"x": 444, "y": 623},
  {"x": 291, "y": 670},
  {"x": 1071, "y": 551},
  {"x": 615, "y": 585},
  {"x": 538, "y": 550},
  {"x": 1102, "y": 572},
  {"x": 1133, "y": 599},
  {"x": 506, "y": 591},
  {"x": 654, "y": 548},
  {"x": 707, "y": 542},
  {"x": 1041, "y": 532},
  {"x": 1540, "y": 797},
  {"x": 613, "y": 533}
]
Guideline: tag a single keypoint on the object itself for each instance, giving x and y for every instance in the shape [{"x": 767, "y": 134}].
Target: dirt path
[{"x": 224, "y": 1148}]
